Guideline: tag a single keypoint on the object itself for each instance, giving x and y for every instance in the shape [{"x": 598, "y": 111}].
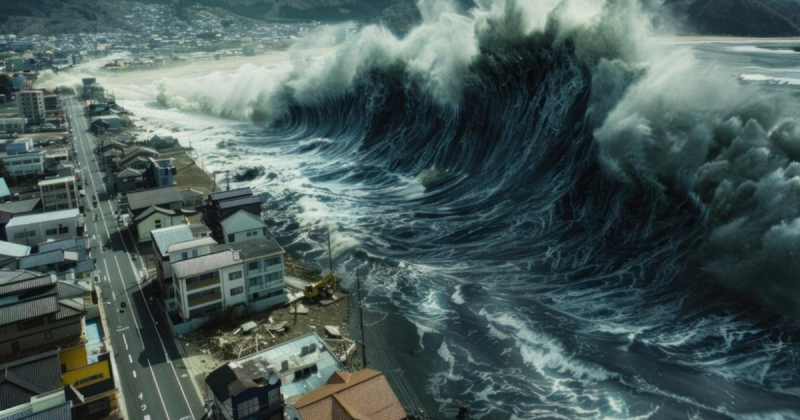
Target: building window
[
  {"x": 198, "y": 295},
  {"x": 19, "y": 235},
  {"x": 274, "y": 261},
  {"x": 49, "y": 232},
  {"x": 274, "y": 276},
  {"x": 236, "y": 275},
  {"x": 204, "y": 310},
  {"x": 63, "y": 229},
  {"x": 203, "y": 277},
  {"x": 274, "y": 396},
  {"x": 158, "y": 223},
  {"x": 31, "y": 233},
  {"x": 33, "y": 323},
  {"x": 184, "y": 255},
  {"x": 255, "y": 282},
  {"x": 247, "y": 408},
  {"x": 231, "y": 238},
  {"x": 253, "y": 266},
  {"x": 195, "y": 253},
  {"x": 237, "y": 290},
  {"x": 48, "y": 335}
]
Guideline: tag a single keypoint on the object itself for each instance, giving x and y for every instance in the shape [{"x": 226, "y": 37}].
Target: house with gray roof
[
  {"x": 156, "y": 218},
  {"x": 243, "y": 225},
  {"x": 36, "y": 228},
  {"x": 129, "y": 179},
  {"x": 18, "y": 208},
  {"x": 34, "y": 313}
]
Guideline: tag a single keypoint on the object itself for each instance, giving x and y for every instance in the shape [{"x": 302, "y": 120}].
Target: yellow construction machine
[{"x": 328, "y": 285}]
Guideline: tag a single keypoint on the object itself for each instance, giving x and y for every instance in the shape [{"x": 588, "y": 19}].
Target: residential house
[
  {"x": 129, "y": 179},
  {"x": 161, "y": 241},
  {"x": 156, "y": 218},
  {"x": 179, "y": 252},
  {"x": 65, "y": 263},
  {"x": 35, "y": 228},
  {"x": 20, "y": 158},
  {"x": 136, "y": 157},
  {"x": 246, "y": 390},
  {"x": 37, "y": 311},
  {"x": 59, "y": 194},
  {"x": 163, "y": 142},
  {"x": 160, "y": 172},
  {"x": 302, "y": 365},
  {"x": 106, "y": 123},
  {"x": 170, "y": 198},
  {"x": 220, "y": 205},
  {"x": 60, "y": 384},
  {"x": 242, "y": 226},
  {"x": 365, "y": 394}
]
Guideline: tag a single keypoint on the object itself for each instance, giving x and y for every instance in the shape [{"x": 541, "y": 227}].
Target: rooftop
[
  {"x": 62, "y": 244},
  {"x": 191, "y": 244},
  {"x": 13, "y": 250},
  {"x": 259, "y": 247},
  {"x": 234, "y": 377},
  {"x": 242, "y": 221},
  {"x": 153, "y": 197},
  {"x": 25, "y": 378},
  {"x": 235, "y": 202},
  {"x": 154, "y": 209},
  {"x": 43, "y": 217},
  {"x": 348, "y": 396},
  {"x": 226, "y": 195},
  {"x": 204, "y": 264},
  {"x": 304, "y": 364},
  {"x": 167, "y": 236},
  {"x": 17, "y": 207},
  {"x": 54, "y": 181}
]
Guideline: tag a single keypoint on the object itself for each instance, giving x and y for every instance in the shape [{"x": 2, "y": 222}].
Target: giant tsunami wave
[{"x": 604, "y": 210}]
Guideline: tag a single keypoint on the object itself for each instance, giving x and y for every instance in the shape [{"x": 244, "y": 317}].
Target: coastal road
[{"x": 153, "y": 378}]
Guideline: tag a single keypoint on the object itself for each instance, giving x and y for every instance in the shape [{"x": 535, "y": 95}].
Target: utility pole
[
  {"x": 361, "y": 318},
  {"x": 330, "y": 255}
]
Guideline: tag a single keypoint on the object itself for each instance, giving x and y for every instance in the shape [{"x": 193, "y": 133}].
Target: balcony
[
  {"x": 205, "y": 299},
  {"x": 202, "y": 284}
]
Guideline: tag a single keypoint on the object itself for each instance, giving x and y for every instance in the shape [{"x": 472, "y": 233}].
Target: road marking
[
  {"x": 125, "y": 340},
  {"x": 114, "y": 295},
  {"x": 134, "y": 374},
  {"x": 158, "y": 389},
  {"x": 130, "y": 358},
  {"x": 123, "y": 329}
]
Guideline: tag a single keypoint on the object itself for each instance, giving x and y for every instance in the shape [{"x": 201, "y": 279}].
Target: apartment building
[
  {"x": 30, "y": 104},
  {"x": 59, "y": 194},
  {"x": 36, "y": 228},
  {"x": 20, "y": 158}
]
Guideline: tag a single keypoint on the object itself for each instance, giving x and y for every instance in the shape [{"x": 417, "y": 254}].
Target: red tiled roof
[{"x": 363, "y": 395}]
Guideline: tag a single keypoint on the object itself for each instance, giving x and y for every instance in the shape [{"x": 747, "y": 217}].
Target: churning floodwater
[{"x": 549, "y": 221}]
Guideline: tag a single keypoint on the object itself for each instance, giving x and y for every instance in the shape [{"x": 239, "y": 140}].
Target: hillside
[{"x": 720, "y": 17}]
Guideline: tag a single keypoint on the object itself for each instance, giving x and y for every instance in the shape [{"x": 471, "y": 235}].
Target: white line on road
[
  {"x": 157, "y": 389},
  {"x": 125, "y": 340},
  {"x": 134, "y": 374},
  {"x": 130, "y": 359},
  {"x": 114, "y": 295}
]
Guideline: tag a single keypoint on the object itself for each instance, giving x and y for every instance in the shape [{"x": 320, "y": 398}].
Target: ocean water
[{"x": 549, "y": 236}]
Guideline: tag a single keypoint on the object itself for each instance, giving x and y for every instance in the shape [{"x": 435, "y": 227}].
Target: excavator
[{"x": 328, "y": 285}]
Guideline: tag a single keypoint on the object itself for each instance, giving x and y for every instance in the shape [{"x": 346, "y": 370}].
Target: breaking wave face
[{"x": 599, "y": 207}]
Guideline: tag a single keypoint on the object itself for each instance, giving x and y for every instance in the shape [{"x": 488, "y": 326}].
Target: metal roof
[
  {"x": 53, "y": 181},
  {"x": 14, "y": 250},
  {"x": 69, "y": 290},
  {"x": 43, "y": 217},
  {"x": 16, "y": 207},
  {"x": 258, "y": 248},
  {"x": 225, "y": 195},
  {"x": 59, "y": 412},
  {"x": 239, "y": 202},
  {"x": 167, "y": 236},
  {"x": 191, "y": 244},
  {"x": 292, "y": 352},
  {"x": 204, "y": 264},
  {"x": 242, "y": 221},
  {"x": 69, "y": 243},
  {"x": 41, "y": 260},
  {"x": 129, "y": 173}
]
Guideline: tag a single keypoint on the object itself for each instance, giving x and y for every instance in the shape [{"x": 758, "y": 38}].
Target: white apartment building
[
  {"x": 248, "y": 274},
  {"x": 59, "y": 194},
  {"x": 31, "y": 105},
  {"x": 21, "y": 158}
]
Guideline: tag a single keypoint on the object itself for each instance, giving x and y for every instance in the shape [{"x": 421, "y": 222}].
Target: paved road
[{"x": 153, "y": 377}]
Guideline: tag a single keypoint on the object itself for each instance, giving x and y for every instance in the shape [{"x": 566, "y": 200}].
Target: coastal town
[{"x": 136, "y": 285}]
